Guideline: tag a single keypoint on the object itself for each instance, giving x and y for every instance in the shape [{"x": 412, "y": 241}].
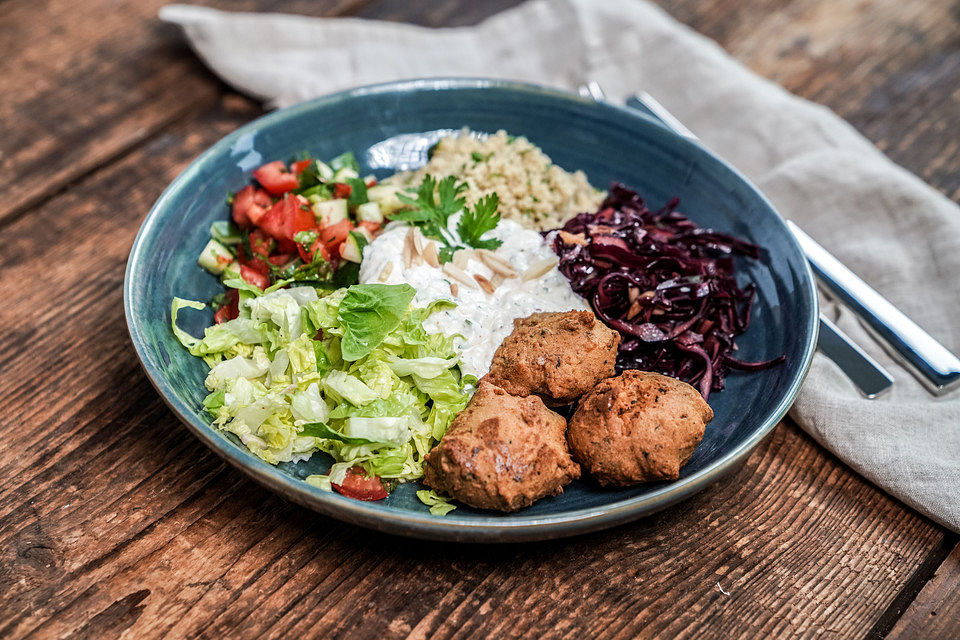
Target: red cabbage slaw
[{"x": 665, "y": 283}]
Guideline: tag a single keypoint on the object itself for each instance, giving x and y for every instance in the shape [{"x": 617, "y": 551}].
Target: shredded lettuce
[
  {"x": 439, "y": 505},
  {"x": 350, "y": 372}
]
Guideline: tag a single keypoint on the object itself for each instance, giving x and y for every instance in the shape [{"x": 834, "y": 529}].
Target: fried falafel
[
  {"x": 637, "y": 427},
  {"x": 558, "y": 356},
  {"x": 501, "y": 452}
]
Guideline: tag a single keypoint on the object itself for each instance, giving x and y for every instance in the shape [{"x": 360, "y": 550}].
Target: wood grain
[
  {"x": 113, "y": 520},
  {"x": 935, "y": 613},
  {"x": 81, "y": 87},
  {"x": 891, "y": 68}
]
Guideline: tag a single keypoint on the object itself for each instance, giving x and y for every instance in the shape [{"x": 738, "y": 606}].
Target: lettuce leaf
[{"x": 368, "y": 313}]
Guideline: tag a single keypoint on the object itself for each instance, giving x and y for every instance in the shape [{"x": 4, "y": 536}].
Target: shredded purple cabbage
[{"x": 666, "y": 284}]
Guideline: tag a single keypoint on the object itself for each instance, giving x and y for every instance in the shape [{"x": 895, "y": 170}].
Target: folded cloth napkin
[{"x": 888, "y": 226}]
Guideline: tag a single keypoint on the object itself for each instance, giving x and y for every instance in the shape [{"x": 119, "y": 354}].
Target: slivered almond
[
  {"x": 407, "y": 252},
  {"x": 633, "y": 293},
  {"x": 413, "y": 240},
  {"x": 386, "y": 271},
  {"x": 454, "y": 289},
  {"x": 538, "y": 269},
  {"x": 430, "y": 255},
  {"x": 496, "y": 263},
  {"x": 485, "y": 284},
  {"x": 634, "y": 310},
  {"x": 572, "y": 238},
  {"x": 461, "y": 257},
  {"x": 459, "y": 275},
  {"x": 417, "y": 240}
]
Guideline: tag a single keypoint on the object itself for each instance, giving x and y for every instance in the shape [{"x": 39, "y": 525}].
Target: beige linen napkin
[{"x": 895, "y": 231}]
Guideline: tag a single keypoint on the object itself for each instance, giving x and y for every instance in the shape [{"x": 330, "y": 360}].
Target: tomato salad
[{"x": 303, "y": 221}]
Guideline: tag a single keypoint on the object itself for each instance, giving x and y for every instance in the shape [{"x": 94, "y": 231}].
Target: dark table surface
[{"x": 114, "y": 521}]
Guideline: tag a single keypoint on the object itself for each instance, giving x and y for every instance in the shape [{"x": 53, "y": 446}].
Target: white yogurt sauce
[{"x": 483, "y": 319}]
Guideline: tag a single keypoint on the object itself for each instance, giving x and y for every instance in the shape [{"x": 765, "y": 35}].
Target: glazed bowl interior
[{"x": 389, "y": 128}]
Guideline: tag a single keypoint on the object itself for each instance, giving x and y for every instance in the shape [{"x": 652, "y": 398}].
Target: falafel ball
[
  {"x": 502, "y": 453},
  {"x": 637, "y": 427},
  {"x": 558, "y": 356}
]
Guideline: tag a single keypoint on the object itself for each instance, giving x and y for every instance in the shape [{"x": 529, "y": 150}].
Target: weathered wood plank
[
  {"x": 80, "y": 87},
  {"x": 891, "y": 68},
  {"x": 935, "y": 613},
  {"x": 113, "y": 519}
]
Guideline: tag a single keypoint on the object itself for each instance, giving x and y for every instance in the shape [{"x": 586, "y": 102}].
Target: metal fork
[{"x": 932, "y": 363}]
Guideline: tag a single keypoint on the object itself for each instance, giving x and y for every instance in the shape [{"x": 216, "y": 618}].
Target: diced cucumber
[
  {"x": 366, "y": 233},
  {"x": 386, "y": 196},
  {"x": 329, "y": 212},
  {"x": 215, "y": 257},
  {"x": 324, "y": 170},
  {"x": 352, "y": 247},
  {"x": 370, "y": 211},
  {"x": 225, "y": 232},
  {"x": 343, "y": 174}
]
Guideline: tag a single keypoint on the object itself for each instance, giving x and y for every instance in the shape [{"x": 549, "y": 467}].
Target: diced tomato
[
  {"x": 288, "y": 217},
  {"x": 372, "y": 182},
  {"x": 359, "y": 486},
  {"x": 334, "y": 234},
  {"x": 230, "y": 308},
  {"x": 318, "y": 245},
  {"x": 305, "y": 253},
  {"x": 372, "y": 227},
  {"x": 274, "y": 223},
  {"x": 341, "y": 190},
  {"x": 276, "y": 178},
  {"x": 254, "y": 277},
  {"x": 222, "y": 315},
  {"x": 257, "y": 264},
  {"x": 298, "y": 166},
  {"x": 301, "y": 218},
  {"x": 280, "y": 259},
  {"x": 261, "y": 243},
  {"x": 249, "y": 205}
]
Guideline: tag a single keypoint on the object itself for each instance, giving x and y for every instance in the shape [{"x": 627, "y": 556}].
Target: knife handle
[{"x": 930, "y": 362}]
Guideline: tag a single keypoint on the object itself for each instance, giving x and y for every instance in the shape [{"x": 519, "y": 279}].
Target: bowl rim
[{"x": 516, "y": 527}]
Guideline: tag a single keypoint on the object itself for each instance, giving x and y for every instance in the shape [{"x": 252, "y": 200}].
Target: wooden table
[{"x": 114, "y": 521}]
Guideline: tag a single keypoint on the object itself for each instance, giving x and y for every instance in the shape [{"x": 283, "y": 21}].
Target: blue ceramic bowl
[{"x": 389, "y": 127}]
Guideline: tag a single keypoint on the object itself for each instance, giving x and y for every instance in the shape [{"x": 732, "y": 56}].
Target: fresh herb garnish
[
  {"x": 310, "y": 177},
  {"x": 322, "y": 190},
  {"x": 479, "y": 157},
  {"x": 306, "y": 238},
  {"x": 477, "y": 221},
  {"x": 344, "y": 160},
  {"x": 358, "y": 192},
  {"x": 436, "y": 202}
]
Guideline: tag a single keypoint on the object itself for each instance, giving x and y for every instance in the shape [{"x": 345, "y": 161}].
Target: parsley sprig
[
  {"x": 477, "y": 221},
  {"x": 437, "y": 201}
]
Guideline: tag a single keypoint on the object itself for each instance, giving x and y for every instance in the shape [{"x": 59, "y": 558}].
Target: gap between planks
[{"x": 912, "y": 588}]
